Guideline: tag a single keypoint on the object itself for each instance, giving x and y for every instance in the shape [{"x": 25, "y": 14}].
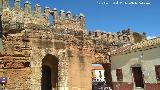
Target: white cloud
[{"x": 150, "y": 37}]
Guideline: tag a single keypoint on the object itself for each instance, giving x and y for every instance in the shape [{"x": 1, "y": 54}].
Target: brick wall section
[
  {"x": 149, "y": 86},
  {"x": 122, "y": 86},
  {"x": 126, "y": 86},
  {"x": 18, "y": 79}
]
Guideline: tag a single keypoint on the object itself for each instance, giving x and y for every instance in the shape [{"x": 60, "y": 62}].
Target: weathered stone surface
[{"x": 28, "y": 38}]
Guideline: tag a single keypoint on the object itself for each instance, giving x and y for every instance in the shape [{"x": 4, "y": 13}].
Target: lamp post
[
  {"x": 139, "y": 60},
  {"x": 141, "y": 56},
  {"x": 109, "y": 56}
]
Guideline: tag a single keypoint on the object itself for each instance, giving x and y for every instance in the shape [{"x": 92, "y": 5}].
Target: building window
[
  {"x": 119, "y": 74},
  {"x": 157, "y": 70}
]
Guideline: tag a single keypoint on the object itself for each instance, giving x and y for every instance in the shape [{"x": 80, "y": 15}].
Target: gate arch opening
[
  {"x": 101, "y": 76},
  {"x": 49, "y": 80}
]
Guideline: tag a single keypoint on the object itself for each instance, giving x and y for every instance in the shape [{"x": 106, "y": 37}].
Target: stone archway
[
  {"x": 50, "y": 58},
  {"x": 49, "y": 80}
]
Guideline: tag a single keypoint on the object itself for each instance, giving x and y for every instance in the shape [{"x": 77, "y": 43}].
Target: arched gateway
[
  {"x": 49, "y": 70},
  {"x": 49, "y": 80}
]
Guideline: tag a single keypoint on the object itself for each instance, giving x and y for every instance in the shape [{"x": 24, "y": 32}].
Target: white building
[
  {"x": 98, "y": 73},
  {"x": 138, "y": 68}
]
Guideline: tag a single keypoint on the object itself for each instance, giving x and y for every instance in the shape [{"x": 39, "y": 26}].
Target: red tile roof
[{"x": 97, "y": 68}]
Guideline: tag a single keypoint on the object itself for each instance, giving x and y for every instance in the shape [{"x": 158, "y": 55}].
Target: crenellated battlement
[
  {"x": 125, "y": 36},
  {"x": 27, "y": 7},
  {"x": 18, "y": 19},
  {"x": 25, "y": 15},
  {"x": 67, "y": 20}
]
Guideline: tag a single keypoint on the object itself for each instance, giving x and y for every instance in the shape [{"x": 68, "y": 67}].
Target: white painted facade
[
  {"x": 97, "y": 74},
  {"x": 147, "y": 59}
]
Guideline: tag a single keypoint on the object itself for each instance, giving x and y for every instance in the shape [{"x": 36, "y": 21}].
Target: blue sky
[{"x": 110, "y": 18}]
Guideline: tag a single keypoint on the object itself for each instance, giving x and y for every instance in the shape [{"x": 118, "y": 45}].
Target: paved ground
[{"x": 139, "y": 89}]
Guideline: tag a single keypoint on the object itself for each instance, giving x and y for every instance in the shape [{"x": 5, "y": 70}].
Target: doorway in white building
[{"x": 138, "y": 77}]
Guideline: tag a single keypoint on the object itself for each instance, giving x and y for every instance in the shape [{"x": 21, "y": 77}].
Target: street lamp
[
  {"x": 139, "y": 60},
  {"x": 109, "y": 56},
  {"x": 141, "y": 56}
]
